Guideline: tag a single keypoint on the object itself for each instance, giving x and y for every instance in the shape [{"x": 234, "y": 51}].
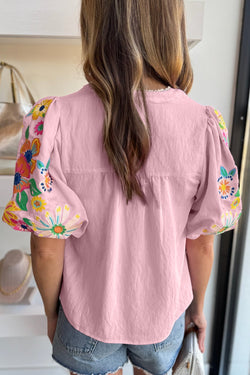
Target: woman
[{"x": 123, "y": 185}]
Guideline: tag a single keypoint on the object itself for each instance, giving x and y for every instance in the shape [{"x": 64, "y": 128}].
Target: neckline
[
  {"x": 157, "y": 95},
  {"x": 154, "y": 92},
  {"x": 158, "y": 90},
  {"x": 160, "y": 95}
]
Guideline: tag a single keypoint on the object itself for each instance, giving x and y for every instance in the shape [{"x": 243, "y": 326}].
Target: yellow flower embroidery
[
  {"x": 221, "y": 120},
  {"x": 223, "y": 127},
  {"x": 8, "y": 216},
  {"x": 38, "y": 203},
  {"x": 40, "y": 109},
  {"x": 235, "y": 203}
]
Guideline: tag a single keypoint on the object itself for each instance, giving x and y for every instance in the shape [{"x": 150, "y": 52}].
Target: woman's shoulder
[
  {"x": 83, "y": 98},
  {"x": 193, "y": 113},
  {"x": 85, "y": 89},
  {"x": 206, "y": 116}
]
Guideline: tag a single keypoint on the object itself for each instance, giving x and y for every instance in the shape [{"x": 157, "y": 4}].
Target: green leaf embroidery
[
  {"x": 27, "y": 133},
  {"x": 22, "y": 202},
  {"x": 34, "y": 191},
  {"x": 238, "y": 193},
  {"x": 39, "y": 164},
  {"x": 47, "y": 166},
  {"x": 232, "y": 172},
  {"x": 223, "y": 171},
  {"x": 27, "y": 221}
]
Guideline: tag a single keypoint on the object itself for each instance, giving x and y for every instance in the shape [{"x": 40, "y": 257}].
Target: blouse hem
[{"x": 125, "y": 340}]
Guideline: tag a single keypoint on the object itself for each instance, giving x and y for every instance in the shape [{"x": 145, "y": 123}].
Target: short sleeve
[
  {"x": 217, "y": 206},
  {"x": 42, "y": 202}
]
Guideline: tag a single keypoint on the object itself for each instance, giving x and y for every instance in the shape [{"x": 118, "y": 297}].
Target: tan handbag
[{"x": 11, "y": 114}]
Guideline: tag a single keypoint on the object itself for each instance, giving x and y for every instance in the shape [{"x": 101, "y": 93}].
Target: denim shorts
[{"x": 85, "y": 355}]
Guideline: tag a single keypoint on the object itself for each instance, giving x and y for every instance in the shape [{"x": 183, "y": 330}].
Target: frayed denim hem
[
  {"x": 169, "y": 372},
  {"x": 77, "y": 373}
]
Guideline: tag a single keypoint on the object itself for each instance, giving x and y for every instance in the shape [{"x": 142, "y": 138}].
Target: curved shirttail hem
[
  {"x": 78, "y": 373},
  {"x": 111, "y": 341}
]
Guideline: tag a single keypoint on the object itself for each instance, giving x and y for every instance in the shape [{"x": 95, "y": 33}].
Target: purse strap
[
  {"x": 13, "y": 88},
  {"x": 14, "y": 72}
]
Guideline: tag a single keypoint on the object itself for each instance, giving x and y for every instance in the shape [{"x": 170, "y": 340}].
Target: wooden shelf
[
  {"x": 34, "y": 18},
  {"x": 26, "y": 318},
  {"x": 27, "y": 353},
  {"x": 58, "y": 22}
]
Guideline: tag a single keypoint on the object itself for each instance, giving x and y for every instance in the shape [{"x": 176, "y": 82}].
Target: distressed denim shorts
[{"x": 85, "y": 355}]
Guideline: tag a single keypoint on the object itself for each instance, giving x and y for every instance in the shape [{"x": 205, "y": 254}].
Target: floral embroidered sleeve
[
  {"x": 41, "y": 201},
  {"x": 217, "y": 206}
]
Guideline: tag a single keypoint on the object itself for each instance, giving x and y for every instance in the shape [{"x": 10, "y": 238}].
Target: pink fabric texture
[{"x": 125, "y": 275}]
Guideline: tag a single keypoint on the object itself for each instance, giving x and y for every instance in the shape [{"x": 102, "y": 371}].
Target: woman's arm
[
  {"x": 47, "y": 256},
  {"x": 200, "y": 257}
]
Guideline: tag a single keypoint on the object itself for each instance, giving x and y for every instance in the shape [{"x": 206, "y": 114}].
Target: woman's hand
[
  {"x": 196, "y": 316},
  {"x": 51, "y": 327}
]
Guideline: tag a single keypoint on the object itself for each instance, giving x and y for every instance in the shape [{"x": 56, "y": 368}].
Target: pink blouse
[{"x": 125, "y": 275}]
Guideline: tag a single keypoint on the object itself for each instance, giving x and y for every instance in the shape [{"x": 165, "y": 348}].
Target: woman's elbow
[{"x": 203, "y": 243}]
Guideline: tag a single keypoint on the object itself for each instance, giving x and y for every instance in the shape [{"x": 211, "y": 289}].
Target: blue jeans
[{"x": 85, "y": 355}]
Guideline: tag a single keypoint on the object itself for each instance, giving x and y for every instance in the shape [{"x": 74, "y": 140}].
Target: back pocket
[{"x": 175, "y": 338}]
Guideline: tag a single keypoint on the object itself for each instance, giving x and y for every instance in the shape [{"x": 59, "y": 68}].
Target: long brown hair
[{"x": 122, "y": 41}]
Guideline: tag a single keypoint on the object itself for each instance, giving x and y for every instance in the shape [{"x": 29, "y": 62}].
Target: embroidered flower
[
  {"x": 221, "y": 119},
  {"x": 40, "y": 109},
  {"x": 223, "y": 127},
  {"x": 22, "y": 226},
  {"x": 225, "y": 189},
  {"x": 228, "y": 220},
  {"x": 22, "y": 174},
  {"x": 225, "y": 137},
  {"x": 225, "y": 186},
  {"x": 39, "y": 128},
  {"x": 45, "y": 185},
  {"x": 56, "y": 226},
  {"x": 236, "y": 201},
  {"x": 29, "y": 150},
  {"x": 21, "y": 212},
  {"x": 8, "y": 215},
  {"x": 38, "y": 203},
  {"x": 47, "y": 182}
]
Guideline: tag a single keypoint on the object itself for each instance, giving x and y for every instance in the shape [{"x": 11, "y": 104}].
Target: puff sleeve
[
  {"x": 41, "y": 201},
  {"x": 217, "y": 206}
]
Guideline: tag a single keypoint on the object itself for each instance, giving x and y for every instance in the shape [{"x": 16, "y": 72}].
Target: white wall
[{"x": 53, "y": 68}]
